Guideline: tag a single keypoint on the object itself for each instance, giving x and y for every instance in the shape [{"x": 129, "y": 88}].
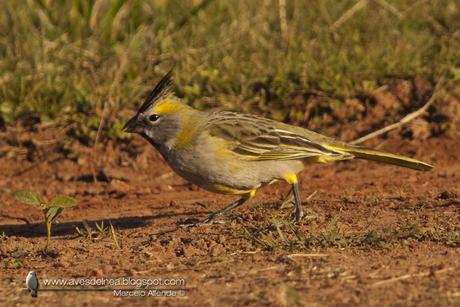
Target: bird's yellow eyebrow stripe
[{"x": 167, "y": 107}]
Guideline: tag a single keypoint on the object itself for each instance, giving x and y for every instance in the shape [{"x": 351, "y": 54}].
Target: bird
[
  {"x": 233, "y": 153},
  {"x": 32, "y": 283}
]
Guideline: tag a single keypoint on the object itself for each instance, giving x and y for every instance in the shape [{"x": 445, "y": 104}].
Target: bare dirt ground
[{"x": 374, "y": 234}]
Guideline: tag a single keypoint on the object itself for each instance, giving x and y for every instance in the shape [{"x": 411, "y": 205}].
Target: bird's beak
[{"x": 131, "y": 125}]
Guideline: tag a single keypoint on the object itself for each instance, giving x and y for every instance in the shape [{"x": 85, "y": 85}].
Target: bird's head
[{"x": 161, "y": 116}]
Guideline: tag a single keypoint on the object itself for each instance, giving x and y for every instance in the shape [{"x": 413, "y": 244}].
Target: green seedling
[{"x": 51, "y": 210}]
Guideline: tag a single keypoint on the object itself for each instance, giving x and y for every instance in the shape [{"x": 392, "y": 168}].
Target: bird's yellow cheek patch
[
  {"x": 291, "y": 178},
  {"x": 167, "y": 107},
  {"x": 183, "y": 138},
  {"x": 186, "y": 134}
]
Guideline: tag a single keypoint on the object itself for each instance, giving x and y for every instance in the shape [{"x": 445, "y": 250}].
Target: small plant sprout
[
  {"x": 51, "y": 210},
  {"x": 88, "y": 232}
]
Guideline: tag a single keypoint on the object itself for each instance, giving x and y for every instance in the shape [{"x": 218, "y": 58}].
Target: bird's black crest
[{"x": 163, "y": 89}]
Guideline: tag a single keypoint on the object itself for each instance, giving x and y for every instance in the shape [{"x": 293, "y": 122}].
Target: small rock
[
  {"x": 420, "y": 129},
  {"x": 63, "y": 263},
  {"x": 446, "y": 195},
  {"x": 96, "y": 273},
  {"x": 119, "y": 185}
]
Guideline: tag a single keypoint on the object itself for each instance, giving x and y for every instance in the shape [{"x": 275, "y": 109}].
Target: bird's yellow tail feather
[{"x": 379, "y": 156}]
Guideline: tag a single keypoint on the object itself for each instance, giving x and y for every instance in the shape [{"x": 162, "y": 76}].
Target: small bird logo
[{"x": 32, "y": 283}]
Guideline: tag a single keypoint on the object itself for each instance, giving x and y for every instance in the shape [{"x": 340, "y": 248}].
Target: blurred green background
[{"x": 90, "y": 58}]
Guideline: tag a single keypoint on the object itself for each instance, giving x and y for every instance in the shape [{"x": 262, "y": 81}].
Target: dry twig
[
  {"x": 390, "y": 8},
  {"x": 406, "y": 119},
  {"x": 349, "y": 13},
  {"x": 283, "y": 20},
  {"x": 407, "y": 276},
  {"x": 307, "y": 255}
]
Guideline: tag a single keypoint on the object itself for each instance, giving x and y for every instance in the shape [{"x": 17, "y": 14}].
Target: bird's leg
[
  {"x": 213, "y": 216},
  {"x": 298, "y": 203},
  {"x": 222, "y": 211},
  {"x": 291, "y": 178}
]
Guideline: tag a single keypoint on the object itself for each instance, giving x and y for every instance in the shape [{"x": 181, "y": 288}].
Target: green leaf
[
  {"x": 62, "y": 201},
  {"x": 52, "y": 213},
  {"x": 29, "y": 198}
]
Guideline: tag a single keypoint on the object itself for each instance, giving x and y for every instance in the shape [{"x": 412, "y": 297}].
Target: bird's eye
[{"x": 154, "y": 117}]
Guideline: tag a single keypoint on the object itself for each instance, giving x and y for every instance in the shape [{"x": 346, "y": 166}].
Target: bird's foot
[{"x": 298, "y": 216}]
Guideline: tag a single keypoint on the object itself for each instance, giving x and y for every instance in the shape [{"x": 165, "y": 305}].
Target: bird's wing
[{"x": 257, "y": 138}]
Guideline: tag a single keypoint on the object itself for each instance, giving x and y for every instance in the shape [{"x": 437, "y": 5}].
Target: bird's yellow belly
[{"x": 222, "y": 189}]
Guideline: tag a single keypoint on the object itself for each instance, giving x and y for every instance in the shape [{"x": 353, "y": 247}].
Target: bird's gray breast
[{"x": 205, "y": 166}]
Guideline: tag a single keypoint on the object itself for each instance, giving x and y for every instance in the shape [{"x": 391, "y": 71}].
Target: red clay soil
[
  {"x": 373, "y": 235},
  {"x": 412, "y": 255}
]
